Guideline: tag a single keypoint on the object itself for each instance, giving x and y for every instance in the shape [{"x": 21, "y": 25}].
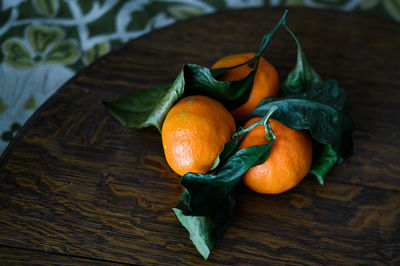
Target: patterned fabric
[{"x": 45, "y": 42}]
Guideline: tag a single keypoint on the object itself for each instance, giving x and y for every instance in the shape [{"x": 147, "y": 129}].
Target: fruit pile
[{"x": 233, "y": 122}]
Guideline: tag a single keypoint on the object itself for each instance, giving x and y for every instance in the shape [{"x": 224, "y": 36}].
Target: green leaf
[
  {"x": 304, "y": 79},
  {"x": 148, "y": 107},
  {"x": 48, "y": 8},
  {"x": 303, "y": 76},
  {"x": 207, "y": 191},
  {"x": 227, "y": 150},
  {"x": 231, "y": 146},
  {"x": 206, "y": 207},
  {"x": 324, "y": 110},
  {"x": 65, "y": 52},
  {"x": 17, "y": 54},
  {"x": 324, "y": 158},
  {"x": 206, "y": 231},
  {"x": 41, "y": 37},
  {"x": 199, "y": 228},
  {"x": 231, "y": 94}
]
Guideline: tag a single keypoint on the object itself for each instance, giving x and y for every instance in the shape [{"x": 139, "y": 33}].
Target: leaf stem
[
  {"x": 264, "y": 121},
  {"x": 292, "y": 34},
  {"x": 269, "y": 133},
  {"x": 264, "y": 42},
  {"x": 266, "y": 38},
  {"x": 300, "y": 53}
]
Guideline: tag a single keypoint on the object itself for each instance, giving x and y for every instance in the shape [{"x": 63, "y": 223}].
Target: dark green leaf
[
  {"x": 228, "y": 149},
  {"x": 304, "y": 79},
  {"x": 206, "y": 207},
  {"x": 200, "y": 230},
  {"x": 206, "y": 231},
  {"x": 147, "y": 107},
  {"x": 231, "y": 146},
  {"x": 324, "y": 158},
  {"x": 303, "y": 76},
  {"x": 324, "y": 111},
  {"x": 252, "y": 63},
  {"x": 232, "y": 94},
  {"x": 207, "y": 191}
]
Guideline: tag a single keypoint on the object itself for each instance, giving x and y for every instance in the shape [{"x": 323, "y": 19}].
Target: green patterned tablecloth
[{"x": 45, "y": 42}]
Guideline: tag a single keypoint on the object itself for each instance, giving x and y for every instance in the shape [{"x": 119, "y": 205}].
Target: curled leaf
[{"x": 303, "y": 76}]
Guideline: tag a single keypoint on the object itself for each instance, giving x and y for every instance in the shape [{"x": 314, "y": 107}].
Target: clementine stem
[
  {"x": 264, "y": 42},
  {"x": 266, "y": 38},
  {"x": 269, "y": 133},
  {"x": 264, "y": 121}
]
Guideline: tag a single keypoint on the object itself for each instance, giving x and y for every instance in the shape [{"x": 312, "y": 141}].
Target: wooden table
[{"x": 76, "y": 187}]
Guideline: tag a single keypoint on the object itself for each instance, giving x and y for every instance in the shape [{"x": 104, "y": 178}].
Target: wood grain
[
  {"x": 75, "y": 182},
  {"x": 17, "y": 256}
]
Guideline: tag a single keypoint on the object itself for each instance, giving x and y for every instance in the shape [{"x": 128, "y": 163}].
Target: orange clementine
[
  {"x": 266, "y": 81},
  {"x": 194, "y": 132},
  {"x": 288, "y": 162}
]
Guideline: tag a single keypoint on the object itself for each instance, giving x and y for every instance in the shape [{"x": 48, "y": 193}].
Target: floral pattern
[
  {"x": 46, "y": 45},
  {"x": 44, "y": 42}
]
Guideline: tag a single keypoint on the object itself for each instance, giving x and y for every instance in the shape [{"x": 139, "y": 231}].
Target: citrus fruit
[
  {"x": 288, "y": 162},
  {"x": 265, "y": 83},
  {"x": 194, "y": 132}
]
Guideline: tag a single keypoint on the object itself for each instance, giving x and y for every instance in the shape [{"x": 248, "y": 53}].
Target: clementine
[
  {"x": 288, "y": 162},
  {"x": 194, "y": 132},
  {"x": 265, "y": 83}
]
